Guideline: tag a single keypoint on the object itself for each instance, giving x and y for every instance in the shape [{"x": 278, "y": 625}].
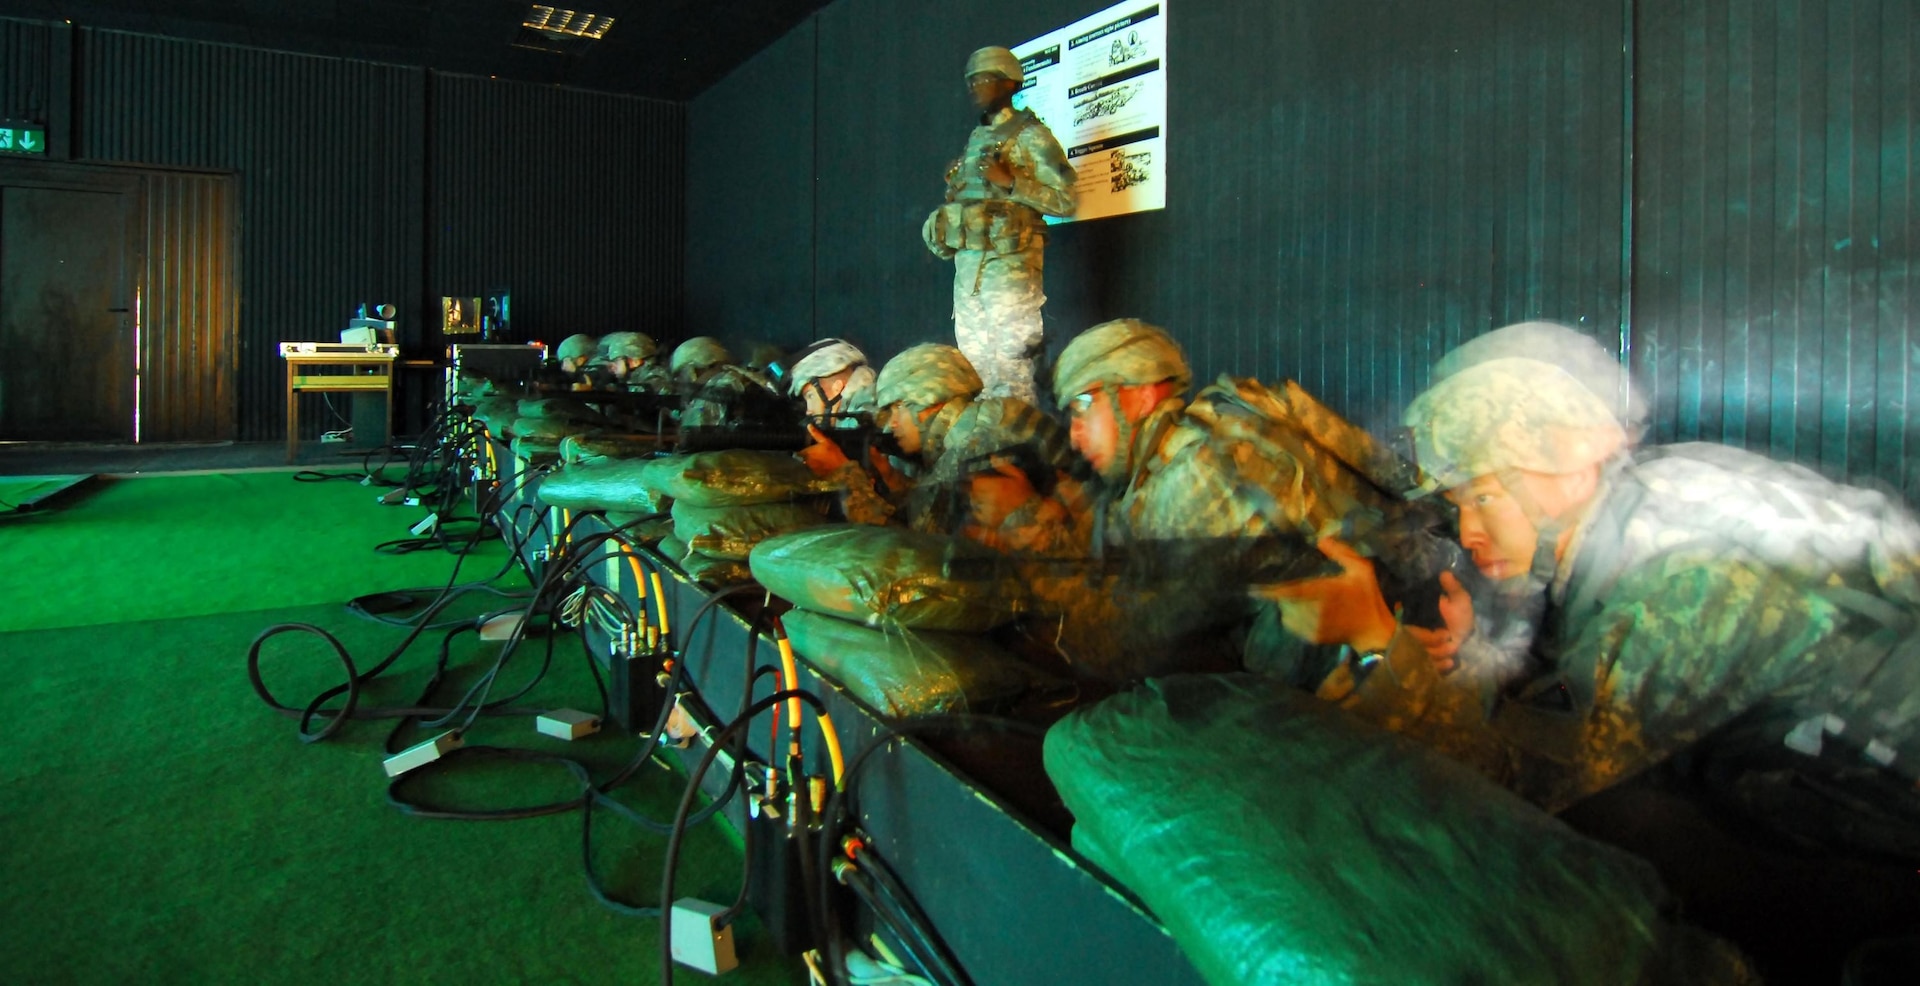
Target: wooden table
[{"x": 308, "y": 366}]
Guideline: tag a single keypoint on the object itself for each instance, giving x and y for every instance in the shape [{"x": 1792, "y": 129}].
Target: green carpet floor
[
  {"x": 162, "y": 825},
  {"x": 169, "y": 546}
]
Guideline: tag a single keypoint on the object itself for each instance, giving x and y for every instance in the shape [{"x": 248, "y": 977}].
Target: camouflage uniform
[
  {"x": 1204, "y": 497},
  {"x": 954, "y": 441},
  {"x": 996, "y": 239},
  {"x": 717, "y": 392},
  {"x": 1712, "y": 601}
]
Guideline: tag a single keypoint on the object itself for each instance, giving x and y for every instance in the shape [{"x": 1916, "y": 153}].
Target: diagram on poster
[{"x": 1100, "y": 84}]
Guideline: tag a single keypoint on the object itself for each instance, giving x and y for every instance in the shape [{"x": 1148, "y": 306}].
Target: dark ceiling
[{"x": 670, "y": 49}]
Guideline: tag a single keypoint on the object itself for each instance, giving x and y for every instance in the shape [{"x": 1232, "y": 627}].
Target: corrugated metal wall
[
  {"x": 1353, "y": 188},
  {"x": 1775, "y": 246},
  {"x": 29, "y": 54},
  {"x": 326, "y": 156},
  {"x": 359, "y": 182},
  {"x": 1356, "y": 187},
  {"x": 574, "y": 201},
  {"x": 189, "y": 311},
  {"x": 750, "y": 194}
]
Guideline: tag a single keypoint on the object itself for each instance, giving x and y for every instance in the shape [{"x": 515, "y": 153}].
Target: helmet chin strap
[
  {"x": 1545, "y": 564},
  {"x": 1121, "y": 466}
]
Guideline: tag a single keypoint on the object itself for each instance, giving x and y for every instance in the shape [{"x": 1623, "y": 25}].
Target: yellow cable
[
  {"x": 566, "y": 526},
  {"x": 790, "y": 668},
  {"x": 833, "y": 748},
  {"x": 660, "y": 603}
]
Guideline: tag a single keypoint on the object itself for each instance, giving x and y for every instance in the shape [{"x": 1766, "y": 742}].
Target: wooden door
[{"x": 67, "y": 364}]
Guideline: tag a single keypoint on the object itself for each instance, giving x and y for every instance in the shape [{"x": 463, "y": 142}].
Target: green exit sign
[{"x": 23, "y": 140}]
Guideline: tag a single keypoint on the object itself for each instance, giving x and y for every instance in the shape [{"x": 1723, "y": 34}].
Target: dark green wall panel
[
  {"x": 1353, "y": 187},
  {"x": 573, "y": 200},
  {"x": 750, "y": 191},
  {"x": 1775, "y": 253}
]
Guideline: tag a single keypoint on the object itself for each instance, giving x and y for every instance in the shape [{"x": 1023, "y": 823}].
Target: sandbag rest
[{"x": 1282, "y": 841}]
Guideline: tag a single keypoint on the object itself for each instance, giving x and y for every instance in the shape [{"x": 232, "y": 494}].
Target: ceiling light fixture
[{"x": 558, "y": 24}]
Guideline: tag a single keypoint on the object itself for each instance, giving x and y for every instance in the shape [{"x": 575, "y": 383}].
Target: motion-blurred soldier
[
  {"x": 718, "y": 392},
  {"x": 1696, "y": 597},
  {"x": 1691, "y": 599},
  {"x": 1011, "y": 174},
  {"x": 628, "y": 361}
]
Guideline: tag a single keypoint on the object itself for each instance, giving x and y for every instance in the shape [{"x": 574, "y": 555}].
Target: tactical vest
[{"x": 978, "y": 215}]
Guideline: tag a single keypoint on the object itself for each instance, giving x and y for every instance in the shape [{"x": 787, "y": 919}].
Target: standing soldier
[{"x": 1012, "y": 174}]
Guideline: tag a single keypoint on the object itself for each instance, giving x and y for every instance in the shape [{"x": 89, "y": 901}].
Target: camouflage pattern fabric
[
  {"x": 996, "y": 318},
  {"x": 649, "y": 378},
  {"x": 717, "y": 392},
  {"x": 1511, "y": 413},
  {"x": 576, "y": 346},
  {"x": 1707, "y": 587},
  {"x": 961, "y": 434},
  {"x": 1122, "y": 352},
  {"x": 924, "y": 375},
  {"x": 698, "y": 353},
  {"x": 996, "y": 238},
  {"x": 1220, "y": 489}
]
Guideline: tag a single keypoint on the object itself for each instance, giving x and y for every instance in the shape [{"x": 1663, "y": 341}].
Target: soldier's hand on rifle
[
  {"x": 823, "y": 456},
  {"x": 1347, "y": 608},
  {"x": 996, "y": 494},
  {"x": 883, "y": 468},
  {"x": 1456, "y": 608}
]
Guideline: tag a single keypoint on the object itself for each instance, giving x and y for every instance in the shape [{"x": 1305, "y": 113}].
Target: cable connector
[
  {"x": 681, "y": 729},
  {"x": 567, "y": 724},
  {"x": 700, "y": 941},
  {"x": 424, "y": 752},
  {"x": 501, "y": 627}
]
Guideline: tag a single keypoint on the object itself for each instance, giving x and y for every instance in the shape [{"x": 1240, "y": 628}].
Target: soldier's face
[
  {"x": 823, "y": 393},
  {"x": 1494, "y": 529},
  {"x": 988, "y": 88},
  {"x": 903, "y": 422},
  {"x": 1494, "y": 526},
  {"x": 1092, "y": 430}
]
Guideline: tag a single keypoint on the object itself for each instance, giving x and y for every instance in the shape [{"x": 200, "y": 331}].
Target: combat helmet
[
  {"x": 1578, "y": 354},
  {"x": 1120, "y": 353},
  {"x": 1511, "y": 413},
  {"x": 998, "y": 61},
  {"x": 627, "y": 345},
  {"x": 925, "y": 375},
  {"x": 578, "y": 346},
  {"x": 823, "y": 359},
  {"x": 698, "y": 353}
]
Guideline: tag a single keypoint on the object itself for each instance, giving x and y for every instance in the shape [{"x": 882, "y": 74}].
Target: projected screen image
[
  {"x": 1100, "y": 84},
  {"x": 460, "y": 316}
]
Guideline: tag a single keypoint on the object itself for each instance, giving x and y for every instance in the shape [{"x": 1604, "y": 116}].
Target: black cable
[
  {"x": 837, "y": 808},
  {"x": 927, "y": 954},
  {"x": 909, "y": 923},
  {"x": 355, "y": 679},
  {"x": 672, "y": 862}
]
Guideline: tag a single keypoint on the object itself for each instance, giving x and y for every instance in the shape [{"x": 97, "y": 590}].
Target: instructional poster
[{"x": 1100, "y": 84}]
